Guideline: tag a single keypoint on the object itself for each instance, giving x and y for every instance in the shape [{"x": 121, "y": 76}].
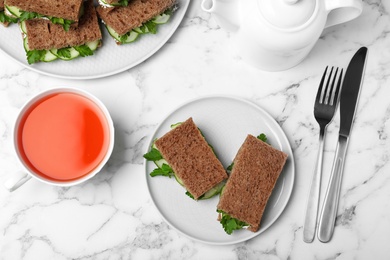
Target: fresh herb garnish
[
  {"x": 123, "y": 38},
  {"x": 230, "y": 167},
  {"x": 262, "y": 137},
  {"x": 64, "y": 22},
  {"x": 192, "y": 196},
  {"x": 123, "y": 2},
  {"x": 7, "y": 19},
  {"x": 64, "y": 52},
  {"x": 25, "y": 15},
  {"x": 164, "y": 170},
  {"x": 84, "y": 50},
  {"x": 153, "y": 155},
  {"x": 35, "y": 56},
  {"x": 152, "y": 27},
  {"x": 230, "y": 224}
]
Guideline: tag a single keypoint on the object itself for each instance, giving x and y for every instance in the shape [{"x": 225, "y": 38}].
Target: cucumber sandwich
[
  {"x": 64, "y": 12},
  {"x": 126, "y": 23},
  {"x": 254, "y": 173},
  {"x": 184, "y": 154},
  {"x": 45, "y": 41}
]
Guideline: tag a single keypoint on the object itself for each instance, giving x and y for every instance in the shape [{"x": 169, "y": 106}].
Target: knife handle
[
  {"x": 329, "y": 209},
  {"x": 309, "y": 228}
]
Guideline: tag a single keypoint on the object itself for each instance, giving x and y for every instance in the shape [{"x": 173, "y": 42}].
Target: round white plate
[
  {"x": 108, "y": 60},
  {"x": 225, "y": 122}
]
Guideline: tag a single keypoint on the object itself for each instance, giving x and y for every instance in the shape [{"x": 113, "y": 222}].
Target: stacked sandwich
[
  {"x": 184, "y": 154},
  {"x": 126, "y": 20},
  {"x": 255, "y": 170},
  {"x": 56, "y": 29}
]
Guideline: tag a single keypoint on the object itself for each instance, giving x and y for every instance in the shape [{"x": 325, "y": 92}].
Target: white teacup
[{"x": 63, "y": 137}]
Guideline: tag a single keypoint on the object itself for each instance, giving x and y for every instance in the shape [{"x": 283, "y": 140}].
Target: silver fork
[{"x": 324, "y": 111}]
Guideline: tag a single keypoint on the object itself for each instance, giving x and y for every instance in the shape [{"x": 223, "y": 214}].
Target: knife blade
[{"x": 350, "y": 92}]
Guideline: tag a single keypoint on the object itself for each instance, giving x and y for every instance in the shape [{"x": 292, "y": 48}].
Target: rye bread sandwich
[
  {"x": 126, "y": 23},
  {"x": 183, "y": 153},
  {"x": 63, "y": 12},
  {"x": 45, "y": 41},
  {"x": 254, "y": 173}
]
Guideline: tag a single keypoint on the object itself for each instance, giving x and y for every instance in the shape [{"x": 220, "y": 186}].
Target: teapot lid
[{"x": 287, "y": 14}]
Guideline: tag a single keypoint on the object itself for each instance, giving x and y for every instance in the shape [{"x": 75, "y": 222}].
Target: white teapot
[{"x": 276, "y": 35}]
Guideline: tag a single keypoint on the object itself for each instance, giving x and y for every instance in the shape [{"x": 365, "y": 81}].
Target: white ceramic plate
[
  {"x": 225, "y": 122},
  {"x": 108, "y": 60}
]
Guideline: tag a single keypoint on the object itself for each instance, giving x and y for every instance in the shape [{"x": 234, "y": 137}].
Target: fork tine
[
  {"x": 328, "y": 89},
  {"x": 319, "y": 96},
  {"x": 337, "y": 90},
  {"x": 332, "y": 89}
]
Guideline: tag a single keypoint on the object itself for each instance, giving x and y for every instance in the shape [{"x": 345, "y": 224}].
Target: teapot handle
[{"x": 341, "y": 11}]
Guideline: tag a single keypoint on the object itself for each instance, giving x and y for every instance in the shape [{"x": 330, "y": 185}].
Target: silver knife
[{"x": 348, "y": 103}]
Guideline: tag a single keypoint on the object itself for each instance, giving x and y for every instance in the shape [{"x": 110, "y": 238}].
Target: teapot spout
[{"x": 224, "y": 11}]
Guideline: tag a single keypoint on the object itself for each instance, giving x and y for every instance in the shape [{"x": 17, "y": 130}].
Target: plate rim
[
  {"x": 117, "y": 71},
  {"x": 289, "y": 151}
]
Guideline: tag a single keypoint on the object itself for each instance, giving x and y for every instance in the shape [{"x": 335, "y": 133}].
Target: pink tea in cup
[{"x": 63, "y": 136}]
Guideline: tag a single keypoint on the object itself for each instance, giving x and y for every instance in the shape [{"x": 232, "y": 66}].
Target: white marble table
[{"x": 112, "y": 217}]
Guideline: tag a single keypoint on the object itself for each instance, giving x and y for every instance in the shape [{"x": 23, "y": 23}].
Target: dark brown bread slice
[
  {"x": 191, "y": 158},
  {"x": 124, "y": 19},
  {"x": 43, "y": 35},
  {"x": 67, "y": 9},
  {"x": 256, "y": 169}
]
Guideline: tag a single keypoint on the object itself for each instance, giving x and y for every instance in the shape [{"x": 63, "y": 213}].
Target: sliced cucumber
[
  {"x": 160, "y": 163},
  {"x": 138, "y": 30},
  {"x": 25, "y": 44},
  {"x": 73, "y": 54},
  {"x": 113, "y": 33},
  {"x": 176, "y": 125},
  {"x": 161, "y": 19},
  {"x": 130, "y": 38},
  {"x": 178, "y": 180},
  {"x": 14, "y": 11},
  {"x": 93, "y": 45},
  {"x": 214, "y": 191},
  {"x": 49, "y": 57},
  {"x": 105, "y": 4},
  {"x": 23, "y": 27}
]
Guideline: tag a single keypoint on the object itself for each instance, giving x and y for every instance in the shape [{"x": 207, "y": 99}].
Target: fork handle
[
  {"x": 309, "y": 227},
  {"x": 329, "y": 209}
]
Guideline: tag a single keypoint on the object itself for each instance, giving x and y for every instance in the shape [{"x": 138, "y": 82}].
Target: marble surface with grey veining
[{"x": 112, "y": 216}]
